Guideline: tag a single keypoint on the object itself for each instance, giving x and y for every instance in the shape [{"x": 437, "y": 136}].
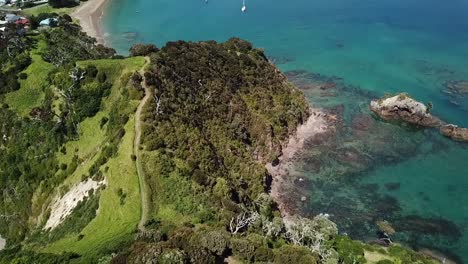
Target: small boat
[{"x": 244, "y": 8}]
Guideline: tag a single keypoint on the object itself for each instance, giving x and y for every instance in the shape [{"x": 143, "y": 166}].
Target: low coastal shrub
[
  {"x": 350, "y": 251},
  {"x": 23, "y": 76},
  {"x": 294, "y": 254},
  {"x": 408, "y": 256},
  {"x": 143, "y": 50}
]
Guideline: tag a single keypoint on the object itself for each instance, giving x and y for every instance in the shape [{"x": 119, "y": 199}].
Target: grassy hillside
[
  {"x": 31, "y": 93},
  {"x": 115, "y": 222},
  {"x": 99, "y": 234},
  {"x": 46, "y": 8},
  {"x": 81, "y": 129}
]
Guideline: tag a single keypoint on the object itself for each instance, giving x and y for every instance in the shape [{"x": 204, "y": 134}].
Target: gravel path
[{"x": 145, "y": 199}]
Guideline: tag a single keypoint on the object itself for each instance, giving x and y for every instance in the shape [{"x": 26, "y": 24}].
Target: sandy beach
[{"x": 89, "y": 14}]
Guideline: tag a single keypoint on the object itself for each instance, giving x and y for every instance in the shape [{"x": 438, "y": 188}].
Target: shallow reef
[{"x": 330, "y": 171}]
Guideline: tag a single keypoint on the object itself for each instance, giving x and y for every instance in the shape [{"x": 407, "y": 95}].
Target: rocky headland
[{"x": 401, "y": 107}]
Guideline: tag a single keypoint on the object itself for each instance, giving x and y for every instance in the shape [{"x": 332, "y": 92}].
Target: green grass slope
[
  {"x": 115, "y": 222},
  {"x": 31, "y": 93}
]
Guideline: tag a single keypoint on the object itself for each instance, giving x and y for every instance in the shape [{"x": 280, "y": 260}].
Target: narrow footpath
[{"x": 145, "y": 199}]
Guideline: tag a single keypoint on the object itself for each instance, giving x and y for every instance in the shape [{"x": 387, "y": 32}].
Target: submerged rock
[
  {"x": 454, "y": 132},
  {"x": 456, "y": 87},
  {"x": 403, "y": 108}
]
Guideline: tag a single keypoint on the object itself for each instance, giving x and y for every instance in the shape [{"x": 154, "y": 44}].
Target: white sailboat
[{"x": 244, "y": 8}]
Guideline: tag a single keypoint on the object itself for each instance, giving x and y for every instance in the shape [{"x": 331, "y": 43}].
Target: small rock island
[{"x": 402, "y": 107}]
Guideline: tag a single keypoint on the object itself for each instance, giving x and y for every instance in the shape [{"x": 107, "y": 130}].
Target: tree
[
  {"x": 313, "y": 234},
  {"x": 63, "y": 3},
  {"x": 143, "y": 50},
  {"x": 242, "y": 220},
  {"x": 294, "y": 254}
]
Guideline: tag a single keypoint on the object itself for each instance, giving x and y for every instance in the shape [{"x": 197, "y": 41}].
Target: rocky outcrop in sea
[{"x": 404, "y": 108}]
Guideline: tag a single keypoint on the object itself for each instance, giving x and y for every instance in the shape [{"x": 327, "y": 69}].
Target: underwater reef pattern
[{"x": 329, "y": 174}]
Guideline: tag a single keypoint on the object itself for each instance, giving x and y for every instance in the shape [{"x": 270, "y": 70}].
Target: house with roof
[
  {"x": 12, "y": 18},
  {"x": 49, "y": 22},
  {"x": 23, "y": 22}
]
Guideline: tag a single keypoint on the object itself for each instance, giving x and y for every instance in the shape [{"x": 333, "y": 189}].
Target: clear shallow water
[{"x": 375, "y": 47}]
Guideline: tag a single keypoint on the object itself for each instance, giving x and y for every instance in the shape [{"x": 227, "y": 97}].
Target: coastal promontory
[{"x": 156, "y": 157}]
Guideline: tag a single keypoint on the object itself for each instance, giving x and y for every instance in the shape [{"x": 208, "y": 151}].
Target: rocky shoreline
[{"x": 318, "y": 124}]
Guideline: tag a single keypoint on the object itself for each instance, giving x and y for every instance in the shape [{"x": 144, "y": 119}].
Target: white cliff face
[{"x": 63, "y": 206}]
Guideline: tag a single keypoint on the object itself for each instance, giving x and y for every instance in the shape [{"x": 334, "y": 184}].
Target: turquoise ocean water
[{"x": 369, "y": 170}]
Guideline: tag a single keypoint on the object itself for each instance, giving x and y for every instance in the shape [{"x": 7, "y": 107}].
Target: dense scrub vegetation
[
  {"x": 220, "y": 108},
  {"x": 218, "y": 113}
]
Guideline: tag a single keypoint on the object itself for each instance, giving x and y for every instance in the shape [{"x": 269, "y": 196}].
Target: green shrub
[
  {"x": 408, "y": 256},
  {"x": 91, "y": 71},
  {"x": 63, "y": 3},
  {"x": 173, "y": 256},
  {"x": 63, "y": 166},
  {"x": 102, "y": 77},
  {"x": 103, "y": 122},
  {"x": 143, "y": 50},
  {"x": 294, "y": 254},
  {"x": 243, "y": 249},
  {"x": 216, "y": 241},
  {"x": 350, "y": 251},
  {"x": 23, "y": 76}
]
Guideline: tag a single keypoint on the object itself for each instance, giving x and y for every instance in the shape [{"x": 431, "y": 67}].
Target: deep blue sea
[{"x": 361, "y": 49}]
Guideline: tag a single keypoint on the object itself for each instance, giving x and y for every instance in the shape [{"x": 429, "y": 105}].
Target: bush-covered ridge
[
  {"x": 221, "y": 108},
  {"x": 219, "y": 112}
]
